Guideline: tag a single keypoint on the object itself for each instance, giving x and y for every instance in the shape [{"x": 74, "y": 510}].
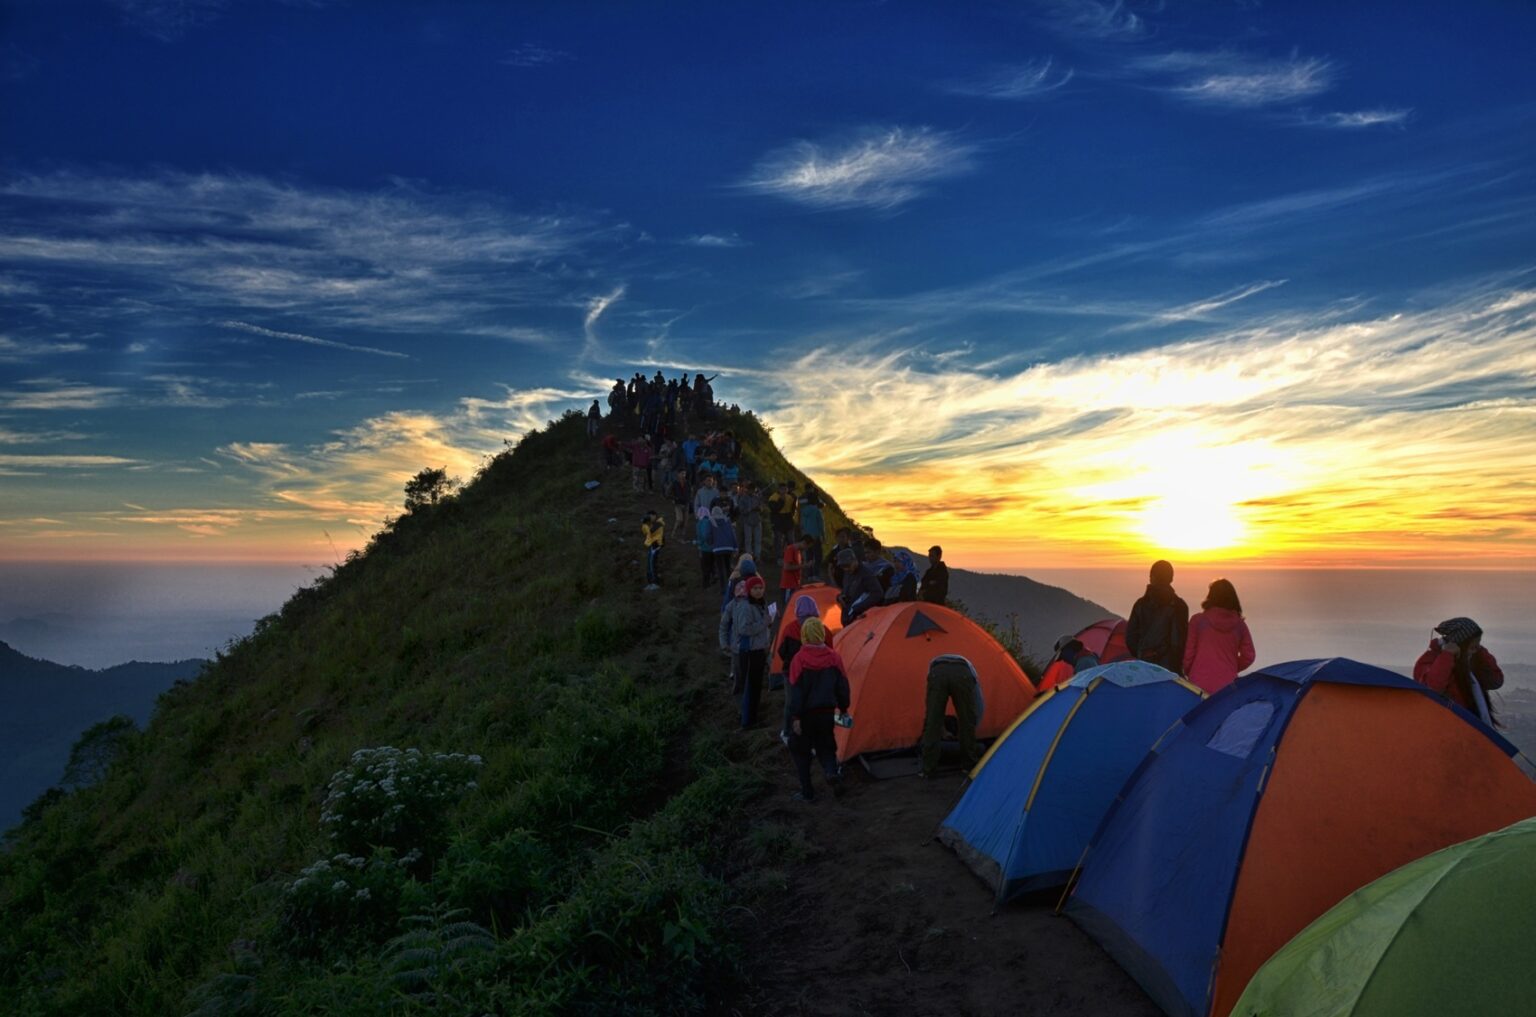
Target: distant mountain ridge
[
  {"x": 44, "y": 707},
  {"x": 1043, "y": 613}
]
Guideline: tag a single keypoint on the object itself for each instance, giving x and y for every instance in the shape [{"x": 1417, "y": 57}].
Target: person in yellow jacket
[{"x": 653, "y": 530}]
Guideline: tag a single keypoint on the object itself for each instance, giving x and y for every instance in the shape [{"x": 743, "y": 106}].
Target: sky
[{"x": 1054, "y": 284}]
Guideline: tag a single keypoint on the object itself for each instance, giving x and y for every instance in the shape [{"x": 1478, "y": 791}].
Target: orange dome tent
[
  {"x": 887, "y": 653},
  {"x": 826, "y": 607}
]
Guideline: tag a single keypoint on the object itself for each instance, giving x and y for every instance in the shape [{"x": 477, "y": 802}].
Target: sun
[{"x": 1192, "y": 522}]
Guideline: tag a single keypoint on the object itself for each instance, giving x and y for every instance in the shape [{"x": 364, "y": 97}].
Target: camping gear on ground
[
  {"x": 1040, "y": 792},
  {"x": 1449, "y": 933},
  {"x": 1271, "y": 802},
  {"x": 887, "y": 652}
]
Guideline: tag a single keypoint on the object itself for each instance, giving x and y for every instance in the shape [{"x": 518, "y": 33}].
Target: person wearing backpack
[
  {"x": 818, "y": 692},
  {"x": 1159, "y": 624}
]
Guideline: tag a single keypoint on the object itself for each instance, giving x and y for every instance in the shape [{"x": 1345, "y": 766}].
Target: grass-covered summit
[{"x": 471, "y": 771}]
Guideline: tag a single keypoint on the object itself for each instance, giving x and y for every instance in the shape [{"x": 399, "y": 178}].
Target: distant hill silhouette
[
  {"x": 1044, "y": 613},
  {"x": 45, "y": 706}
]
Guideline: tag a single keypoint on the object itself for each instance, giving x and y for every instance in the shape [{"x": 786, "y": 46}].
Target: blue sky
[{"x": 260, "y": 261}]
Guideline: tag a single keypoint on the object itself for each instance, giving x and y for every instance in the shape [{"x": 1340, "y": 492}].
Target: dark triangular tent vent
[{"x": 921, "y": 623}]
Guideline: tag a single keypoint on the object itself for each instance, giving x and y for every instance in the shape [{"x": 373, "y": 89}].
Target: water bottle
[{"x": 843, "y": 719}]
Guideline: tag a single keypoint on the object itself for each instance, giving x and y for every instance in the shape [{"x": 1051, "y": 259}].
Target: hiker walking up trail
[
  {"x": 818, "y": 691},
  {"x": 652, "y": 529},
  {"x": 1220, "y": 646},
  {"x": 813, "y": 526},
  {"x": 749, "y": 508},
  {"x": 789, "y": 645},
  {"x": 952, "y": 678},
  {"x": 722, "y": 540},
  {"x": 1459, "y": 667},
  {"x": 744, "y": 634},
  {"x": 790, "y": 568},
  {"x": 703, "y": 539},
  {"x": 1159, "y": 622},
  {"x": 594, "y": 419}
]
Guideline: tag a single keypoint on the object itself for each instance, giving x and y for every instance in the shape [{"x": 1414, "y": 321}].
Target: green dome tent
[{"x": 1451, "y": 933}]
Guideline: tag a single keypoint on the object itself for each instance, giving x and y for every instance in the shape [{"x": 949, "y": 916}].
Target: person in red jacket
[
  {"x": 1219, "y": 646},
  {"x": 818, "y": 691},
  {"x": 1459, "y": 667}
]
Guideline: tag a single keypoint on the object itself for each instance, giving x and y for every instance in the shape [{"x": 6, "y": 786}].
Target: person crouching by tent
[
  {"x": 1219, "y": 647},
  {"x": 818, "y": 691},
  {"x": 744, "y": 633},
  {"x": 952, "y": 679},
  {"x": 652, "y": 529},
  {"x": 1159, "y": 622},
  {"x": 861, "y": 587},
  {"x": 1459, "y": 667}
]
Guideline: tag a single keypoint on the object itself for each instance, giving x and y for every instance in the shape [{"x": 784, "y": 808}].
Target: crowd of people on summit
[{"x": 747, "y": 528}]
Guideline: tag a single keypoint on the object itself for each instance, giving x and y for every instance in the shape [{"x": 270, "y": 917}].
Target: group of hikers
[{"x": 706, "y": 480}]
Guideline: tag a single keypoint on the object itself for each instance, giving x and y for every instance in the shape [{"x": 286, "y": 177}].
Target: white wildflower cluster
[
  {"x": 332, "y": 878},
  {"x": 384, "y": 792}
]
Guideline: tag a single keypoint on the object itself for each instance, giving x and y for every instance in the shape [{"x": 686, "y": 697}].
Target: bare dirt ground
[
  {"x": 879, "y": 918},
  {"x": 862, "y": 913}
]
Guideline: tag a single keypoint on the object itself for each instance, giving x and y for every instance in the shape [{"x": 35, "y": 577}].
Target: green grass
[{"x": 503, "y": 622}]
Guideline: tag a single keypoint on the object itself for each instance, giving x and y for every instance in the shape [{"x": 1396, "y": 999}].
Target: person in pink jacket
[{"x": 1220, "y": 646}]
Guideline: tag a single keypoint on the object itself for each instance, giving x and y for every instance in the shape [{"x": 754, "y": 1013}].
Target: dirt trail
[{"x": 870, "y": 916}]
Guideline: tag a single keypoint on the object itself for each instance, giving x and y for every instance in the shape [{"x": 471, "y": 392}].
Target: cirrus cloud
[{"x": 876, "y": 168}]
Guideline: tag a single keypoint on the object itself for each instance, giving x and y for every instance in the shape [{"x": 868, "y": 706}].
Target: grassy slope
[{"x": 505, "y": 622}]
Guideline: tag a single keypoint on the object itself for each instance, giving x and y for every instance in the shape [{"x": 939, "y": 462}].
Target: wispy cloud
[
  {"x": 1028, "y": 80},
  {"x": 1094, "y": 19},
  {"x": 169, "y": 20},
  {"x": 1200, "y": 310},
  {"x": 193, "y": 247},
  {"x": 596, "y": 307},
  {"x": 714, "y": 240},
  {"x": 12, "y": 351},
  {"x": 59, "y": 394},
  {"x": 1359, "y": 119},
  {"x": 1404, "y": 411},
  {"x": 532, "y": 54},
  {"x": 63, "y": 462},
  {"x": 1226, "y": 78},
  {"x": 878, "y": 169},
  {"x": 298, "y": 337}
]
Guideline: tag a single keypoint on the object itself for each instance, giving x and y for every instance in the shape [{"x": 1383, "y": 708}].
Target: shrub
[
  {"x": 347, "y": 896},
  {"x": 386, "y": 797},
  {"x": 441, "y": 959}
]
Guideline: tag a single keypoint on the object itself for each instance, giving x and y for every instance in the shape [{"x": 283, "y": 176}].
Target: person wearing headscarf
[
  {"x": 789, "y": 645},
  {"x": 1159, "y": 624},
  {"x": 1459, "y": 667},
  {"x": 903, "y": 586},
  {"x": 744, "y": 634},
  {"x": 818, "y": 692}
]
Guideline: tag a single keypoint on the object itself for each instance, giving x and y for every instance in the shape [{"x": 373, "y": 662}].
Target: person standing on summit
[
  {"x": 1159, "y": 624},
  {"x": 934, "y": 588},
  {"x": 1219, "y": 646}
]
